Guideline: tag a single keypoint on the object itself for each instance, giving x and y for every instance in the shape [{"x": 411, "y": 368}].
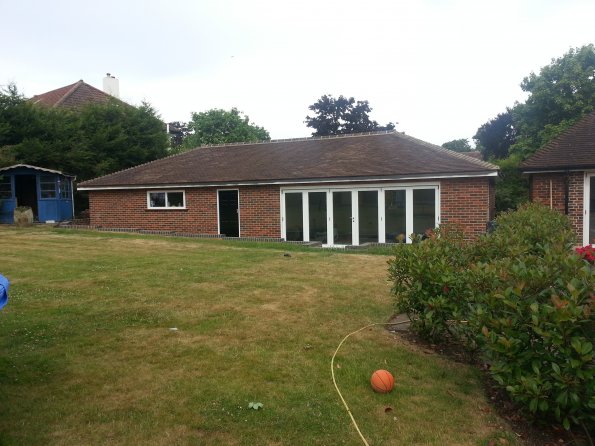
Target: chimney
[{"x": 111, "y": 85}]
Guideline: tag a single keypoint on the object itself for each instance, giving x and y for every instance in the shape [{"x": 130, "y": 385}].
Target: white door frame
[
  {"x": 586, "y": 210},
  {"x": 380, "y": 188}
]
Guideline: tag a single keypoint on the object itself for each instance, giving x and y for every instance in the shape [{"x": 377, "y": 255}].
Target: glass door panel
[
  {"x": 395, "y": 216},
  {"x": 368, "y": 216},
  {"x": 342, "y": 218},
  {"x": 317, "y": 216},
  {"x": 294, "y": 223},
  {"x": 424, "y": 210}
]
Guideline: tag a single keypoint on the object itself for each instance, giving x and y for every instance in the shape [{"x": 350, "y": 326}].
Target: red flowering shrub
[{"x": 587, "y": 253}]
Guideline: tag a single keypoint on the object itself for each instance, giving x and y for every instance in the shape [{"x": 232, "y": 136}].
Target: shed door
[
  {"x": 25, "y": 191},
  {"x": 229, "y": 213}
]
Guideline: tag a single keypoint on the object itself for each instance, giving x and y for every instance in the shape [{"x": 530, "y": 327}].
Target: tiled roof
[
  {"x": 385, "y": 155},
  {"x": 71, "y": 96},
  {"x": 573, "y": 149}
]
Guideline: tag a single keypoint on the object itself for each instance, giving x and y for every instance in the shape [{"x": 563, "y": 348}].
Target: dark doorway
[
  {"x": 25, "y": 188},
  {"x": 229, "y": 213}
]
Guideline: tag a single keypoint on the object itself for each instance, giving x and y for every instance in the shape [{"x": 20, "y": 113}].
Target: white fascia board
[
  {"x": 300, "y": 181},
  {"x": 584, "y": 169}
]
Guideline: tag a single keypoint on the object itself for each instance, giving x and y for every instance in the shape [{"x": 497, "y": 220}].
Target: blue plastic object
[{"x": 4, "y": 284}]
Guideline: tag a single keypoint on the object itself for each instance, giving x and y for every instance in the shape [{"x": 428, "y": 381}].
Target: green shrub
[
  {"x": 535, "y": 326},
  {"x": 426, "y": 278},
  {"x": 528, "y": 230},
  {"x": 521, "y": 296}
]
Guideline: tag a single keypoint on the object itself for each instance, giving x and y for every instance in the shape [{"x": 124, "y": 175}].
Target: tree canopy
[
  {"x": 218, "y": 126},
  {"x": 458, "y": 145},
  {"x": 338, "y": 116},
  {"x": 560, "y": 95},
  {"x": 495, "y": 137},
  {"x": 95, "y": 140}
]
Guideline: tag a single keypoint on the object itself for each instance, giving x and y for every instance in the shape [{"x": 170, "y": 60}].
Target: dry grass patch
[{"x": 89, "y": 357}]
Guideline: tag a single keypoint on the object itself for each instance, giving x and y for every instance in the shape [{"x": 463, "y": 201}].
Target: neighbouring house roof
[
  {"x": 41, "y": 169},
  {"x": 376, "y": 156},
  {"x": 71, "y": 96},
  {"x": 574, "y": 149}
]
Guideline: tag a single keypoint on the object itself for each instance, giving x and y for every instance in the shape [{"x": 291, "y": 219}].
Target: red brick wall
[
  {"x": 549, "y": 189},
  {"x": 259, "y": 211},
  {"x": 128, "y": 209},
  {"x": 260, "y": 214},
  {"x": 467, "y": 202}
]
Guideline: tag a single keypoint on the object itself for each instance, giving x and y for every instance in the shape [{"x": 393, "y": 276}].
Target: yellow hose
[{"x": 333, "y": 372}]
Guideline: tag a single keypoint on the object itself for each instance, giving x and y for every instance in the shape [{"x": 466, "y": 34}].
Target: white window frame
[
  {"x": 380, "y": 188},
  {"x": 165, "y": 208}
]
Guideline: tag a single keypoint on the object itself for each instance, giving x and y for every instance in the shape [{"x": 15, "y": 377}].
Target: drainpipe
[
  {"x": 551, "y": 196},
  {"x": 72, "y": 194}
]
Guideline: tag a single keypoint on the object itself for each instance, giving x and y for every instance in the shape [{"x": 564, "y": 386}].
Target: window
[
  {"x": 47, "y": 186},
  {"x": 5, "y": 187},
  {"x": 64, "y": 189},
  {"x": 166, "y": 200}
]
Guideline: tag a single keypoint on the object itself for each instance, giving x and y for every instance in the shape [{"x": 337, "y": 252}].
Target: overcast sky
[{"x": 438, "y": 68}]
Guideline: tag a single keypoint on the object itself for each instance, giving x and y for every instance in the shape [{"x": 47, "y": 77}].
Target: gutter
[{"x": 291, "y": 182}]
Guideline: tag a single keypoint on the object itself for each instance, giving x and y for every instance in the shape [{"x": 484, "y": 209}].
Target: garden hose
[{"x": 333, "y": 372}]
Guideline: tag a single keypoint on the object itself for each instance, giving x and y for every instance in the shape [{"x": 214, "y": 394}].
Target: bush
[
  {"x": 526, "y": 301},
  {"x": 426, "y": 278}
]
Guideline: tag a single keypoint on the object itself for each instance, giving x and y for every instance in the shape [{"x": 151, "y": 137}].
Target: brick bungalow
[
  {"x": 562, "y": 176},
  {"x": 343, "y": 190}
]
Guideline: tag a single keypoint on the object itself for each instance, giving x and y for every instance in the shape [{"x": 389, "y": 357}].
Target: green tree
[
  {"x": 338, "y": 116},
  {"x": 93, "y": 141},
  {"x": 458, "y": 145},
  {"x": 219, "y": 126},
  {"x": 495, "y": 137},
  {"x": 559, "y": 96},
  {"x": 512, "y": 187}
]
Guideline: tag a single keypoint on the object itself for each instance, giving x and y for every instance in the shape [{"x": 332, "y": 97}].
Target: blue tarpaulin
[{"x": 4, "y": 284}]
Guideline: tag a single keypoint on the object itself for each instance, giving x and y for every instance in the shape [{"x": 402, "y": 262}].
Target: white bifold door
[{"x": 354, "y": 216}]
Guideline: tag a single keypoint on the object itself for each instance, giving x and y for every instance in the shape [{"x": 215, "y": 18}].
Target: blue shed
[{"x": 47, "y": 192}]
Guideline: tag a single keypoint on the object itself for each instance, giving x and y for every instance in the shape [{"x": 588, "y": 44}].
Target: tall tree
[
  {"x": 219, "y": 126},
  {"x": 495, "y": 137},
  {"x": 559, "y": 96},
  {"x": 338, "y": 116},
  {"x": 89, "y": 142},
  {"x": 458, "y": 145}
]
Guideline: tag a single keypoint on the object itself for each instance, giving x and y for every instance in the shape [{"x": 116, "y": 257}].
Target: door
[
  {"x": 229, "y": 212},
  {"x": 25, "y": 191},
  {"x": 342, "y": 218},
  {"x": 367, "y": 219}
]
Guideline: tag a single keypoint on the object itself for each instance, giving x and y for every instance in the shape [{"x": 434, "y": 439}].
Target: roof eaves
[{"x": 294, "y": 181}]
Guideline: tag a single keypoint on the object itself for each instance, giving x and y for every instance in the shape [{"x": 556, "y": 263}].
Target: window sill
[{"x": 166, "y": 209}]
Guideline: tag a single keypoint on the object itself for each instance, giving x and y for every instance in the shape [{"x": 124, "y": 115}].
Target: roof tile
[
  {"x": 573, "y": 149},
  {"x": 362, "y": 156},
  {"x": 71, "y": 96}
]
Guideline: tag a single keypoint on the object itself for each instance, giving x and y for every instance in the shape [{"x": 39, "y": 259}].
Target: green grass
[{"x": 87, "y": 355}]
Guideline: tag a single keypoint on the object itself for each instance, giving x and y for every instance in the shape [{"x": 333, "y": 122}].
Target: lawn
[{"x": 88, "y": 355}]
